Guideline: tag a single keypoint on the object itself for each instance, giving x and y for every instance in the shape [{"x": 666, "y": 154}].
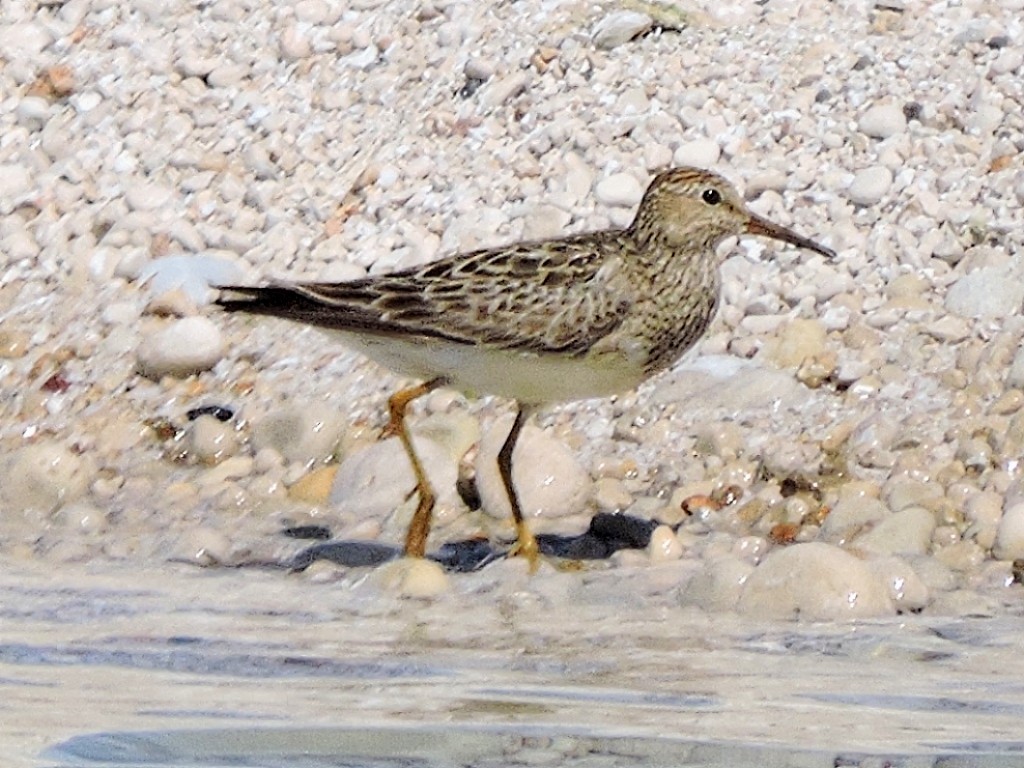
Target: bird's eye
[{"x": 711, "y": 196}]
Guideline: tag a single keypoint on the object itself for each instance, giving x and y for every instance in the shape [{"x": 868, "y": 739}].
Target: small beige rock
[
  {"x": 814, "y": 581},
  {"x": 547, "y": 475},
  {"x": 300, "y": 433},
  {"x": 314, "y": 487},
  {"x": 412, "y": 578},
  {"x": 211, "y": 440},
  {"x": 664, "y": 546},
  {"x": 43, "y": 476}
]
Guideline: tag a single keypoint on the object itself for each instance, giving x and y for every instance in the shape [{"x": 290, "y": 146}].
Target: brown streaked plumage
[{"x": 584, "y": 316}]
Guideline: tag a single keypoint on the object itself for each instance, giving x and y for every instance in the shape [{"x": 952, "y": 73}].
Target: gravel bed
[{"x": 847, "y": 440}]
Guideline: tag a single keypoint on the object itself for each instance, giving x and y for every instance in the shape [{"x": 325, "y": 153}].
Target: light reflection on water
[{"x": 186, "y": 659}]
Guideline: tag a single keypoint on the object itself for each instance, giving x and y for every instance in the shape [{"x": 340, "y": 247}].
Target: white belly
[{"x": 529, "y": 378}]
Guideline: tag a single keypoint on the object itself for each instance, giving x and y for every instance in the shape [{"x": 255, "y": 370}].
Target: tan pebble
[
  {"x": 13, "y": 344},
  {"x": 456, "y": 432},
  {"x": 43, "y": 477},
  {"x": 611, "y": 495},
  {"x": 1009, "y": 402},
  {"x": 301, "y": 433},
  {"x": 963, "y": 556},
  {"x": 664, "y": 546},
  {"x": 814, "y": 581},
  {"x": 177, "y": 492},
  {"x": 412, "y": 577},
  {"x": 816, "y": 370},
  {"x": 315, "y": 486},
  {"x": 230, "y": 469},
  {"x": 206, "y": 546},
  {"x": 211, "y": 440},
  {"x": 82, "y": 517},
  {"x": 718, "y": 585},
  {"x": 838, "y": 435},
  {"x": 799, "y": 340}
]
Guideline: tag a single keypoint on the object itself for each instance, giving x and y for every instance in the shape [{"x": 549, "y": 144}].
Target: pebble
[
  {"x": 294, "y": 44},
  {"x": 301, "y": 433},
  {"x": 412, "y": 578},
  {"x": 814, "y": 582},
  {"x": 799, "y": 341},
  {"x": 374, "y": 482},
  {"x": 621, "y": 189},
  {"x": 183, "y": 347},
  {"x": 42, "y": 477},
  {"x": 502, "y": 89},
  {"x": 717, "y": 586},
  {"x": 882, "y": 121},
  {"x": 14, "y": 343},
  {"x": 988, "y": 292},
  {"x": 1009, "y": 543},
  {"x": 619, "y": 27},
  {"x": 611, "y": 495},
  {"x": 548, "y": 477},
  {"x": 851, "y": 513},
  {"x": 702, "y": 153},
  {"x": 148, "y": 196},
  {"x": 870, "y": 186},
  {"x": 664, "y": 545},
  {"x": 315, "y": 486},
  {"x": 906, "y": 589},
  {"x": 211, "y": 440},
  {"x": 15, "y": 186},
  {"x": 907, "y": 532}
]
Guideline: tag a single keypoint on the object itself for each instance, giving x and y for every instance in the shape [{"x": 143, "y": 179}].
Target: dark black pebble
[
  {"x": 351, "y": 554},
  {"x": 308, "y": 532},
  {"x": 219, "y": 412}
]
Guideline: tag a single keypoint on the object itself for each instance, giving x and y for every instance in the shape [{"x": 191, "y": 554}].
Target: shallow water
[{"x": 92, "y": 649}]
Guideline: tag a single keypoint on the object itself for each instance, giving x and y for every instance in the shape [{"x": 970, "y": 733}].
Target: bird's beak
[{"x": 759, "y": 226}]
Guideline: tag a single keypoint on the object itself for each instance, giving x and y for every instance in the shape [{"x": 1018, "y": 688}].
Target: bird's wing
[{"x": 561, "y": 296}]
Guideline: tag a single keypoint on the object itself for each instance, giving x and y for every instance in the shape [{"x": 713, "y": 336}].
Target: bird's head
[{"x": 693, "y": 208}]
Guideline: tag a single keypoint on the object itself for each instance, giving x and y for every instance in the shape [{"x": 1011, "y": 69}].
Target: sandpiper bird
[{"x": 589, "y": 315}]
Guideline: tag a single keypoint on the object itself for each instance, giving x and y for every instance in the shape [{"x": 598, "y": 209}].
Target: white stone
[
  {"x": 15, "y": 186},
  {"x": 907, "y": 590},
  {"x": 870, "y": 185},
  {"x": 42, "y": 477},
  {"x": 184, "y": 347},
  {"x": 814, "y": 581},
  {"x": 718, "y": 585},
  {"x": 882, "y": 121},
  {"x": 548, "y": 478},
  {"x": 294, "y": 45},
  {"x": 376, "y": 481},
  {"x": 1008, "y": 60},
  {"x": 147, "y": 196},
  {"x": 620, "y": 27},
  {"x": 620, "y": 189},
  {"x": 1009, "y": 543},
  {"x": 304, "y": 433},
  {"x": 194, "y": 274},
  {"x": 988, "y": 292},
  {"x": 500, "y": 90},
  {"x": 908, "y": 532},
  {"x": 701, "y": 153}
]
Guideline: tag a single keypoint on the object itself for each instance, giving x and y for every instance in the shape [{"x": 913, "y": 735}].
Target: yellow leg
[
  {"x": 526, "y": 543},
  {"x": 419, "y": 528}
]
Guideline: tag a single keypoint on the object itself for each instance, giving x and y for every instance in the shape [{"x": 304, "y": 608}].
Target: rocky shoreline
[{"x": 846, "y": 442}]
